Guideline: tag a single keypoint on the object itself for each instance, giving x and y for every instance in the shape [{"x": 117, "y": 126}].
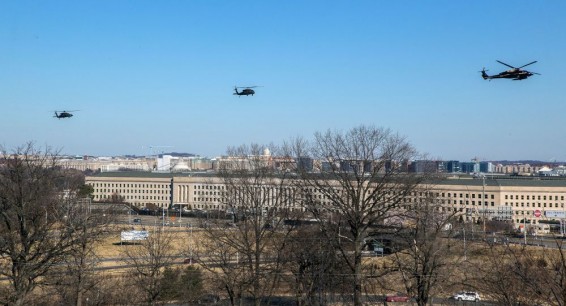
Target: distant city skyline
[
  {"x": 198, "y": 156},
  {"x": 147, "y": 73}
]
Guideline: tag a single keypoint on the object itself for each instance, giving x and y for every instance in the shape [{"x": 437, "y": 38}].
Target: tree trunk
[{"x": 358, "y": 277}]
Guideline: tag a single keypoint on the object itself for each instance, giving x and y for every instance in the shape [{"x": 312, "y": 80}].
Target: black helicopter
[
  {"x": 515, "y": 73},
  {"x": 63, "y": 114},
  {"x": 246, "y": 91}
]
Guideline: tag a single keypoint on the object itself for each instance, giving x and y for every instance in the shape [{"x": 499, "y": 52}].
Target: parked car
[
  {"x": 399, "y": 297},
  {"x": 467, "y": 296},
  {"x": 137, "y": 221}
]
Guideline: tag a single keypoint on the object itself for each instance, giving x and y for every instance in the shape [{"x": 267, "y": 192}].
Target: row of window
[
  {"x": 466, "y": 202},
  {"x": 130, "y": 185},
  {"x": 205, "y": 193},
  {"x": 128, "y": 197},
  {"x": 535, "y": 204},
  {"x": 122, "y": 191},
  {"x": 533, "y": 197},
  {"x": 206, "y": 199},
  {"x": 213, "y": 187},
  {"x": 467, "y": 195}
]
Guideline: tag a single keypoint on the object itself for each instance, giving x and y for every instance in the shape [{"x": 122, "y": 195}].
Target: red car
[{"x": 400, "y": 297}]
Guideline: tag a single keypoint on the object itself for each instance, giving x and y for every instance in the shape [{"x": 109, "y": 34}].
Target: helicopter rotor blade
[
  {"x": 506, "y": 64},
  {"x": 527, "y": 64}
]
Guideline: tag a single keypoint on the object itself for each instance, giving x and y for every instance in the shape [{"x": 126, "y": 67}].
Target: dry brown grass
[{"x": 111, "y": 246}]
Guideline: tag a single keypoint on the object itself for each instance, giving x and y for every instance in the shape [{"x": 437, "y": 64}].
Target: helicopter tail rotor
[{"x": 483, "y": 74}]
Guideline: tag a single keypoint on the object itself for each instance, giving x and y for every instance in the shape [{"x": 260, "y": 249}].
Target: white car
[{"x": 467, "y": 296}]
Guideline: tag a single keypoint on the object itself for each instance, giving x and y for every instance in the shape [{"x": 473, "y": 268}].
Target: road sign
[
  {"x": 133, "y": 235},
  {"x": 555, "y": 214},
  {"x": 537, "y": 213}
]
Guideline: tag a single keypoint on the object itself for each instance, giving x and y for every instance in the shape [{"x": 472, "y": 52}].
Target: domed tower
[{"x": 266, "y": 152}]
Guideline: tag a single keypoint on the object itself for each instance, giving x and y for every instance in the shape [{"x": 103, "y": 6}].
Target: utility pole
[
  {"x": 525, "y": 225},
  {"x": 465, "y": 249},
  {"x": 485, "y": 206}
]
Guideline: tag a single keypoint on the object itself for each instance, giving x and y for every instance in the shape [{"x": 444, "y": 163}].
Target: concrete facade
[{"x": 513, "y": 199}]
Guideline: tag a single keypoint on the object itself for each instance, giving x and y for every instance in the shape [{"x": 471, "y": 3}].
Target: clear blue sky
[{"x": 162, "y": 73}]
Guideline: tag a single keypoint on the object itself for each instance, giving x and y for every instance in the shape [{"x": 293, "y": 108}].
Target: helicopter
[
  {"x": 515, "y": 73},
  {"x": 63, "y": 114},
  {"x": 246, "y": 91}
]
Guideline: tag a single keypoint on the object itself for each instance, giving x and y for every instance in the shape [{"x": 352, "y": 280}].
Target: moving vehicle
[
  {"x": 245, "y": 92},
  {"x": 515, "y": 73},
  {"x": 399, "y": 297},
  {"x": 467, "y": 296},
  {"x": 63, "y": 114}
]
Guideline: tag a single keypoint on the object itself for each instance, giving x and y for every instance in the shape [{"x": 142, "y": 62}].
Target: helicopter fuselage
[
  {"x": 245, "y": 92},
  {"x": 515, "y": 73},
  {"x": 63, "y": 115},
  {"x": 512, "y": 74}
]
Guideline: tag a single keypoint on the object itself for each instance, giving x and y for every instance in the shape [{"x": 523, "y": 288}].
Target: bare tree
[
  {"x": 245, "y": 256},
  {"x": 554, "y": 274},
  {"x": 514, "y": 274},
  {"x": 148, "y": 260},
  {"x": 359, "y": 176},
  {"x": 498, "y": 274},
  {"x": 315, "y": 271},
  {"x": 423, "y": 254},
  {"x": 37, "y": 209},
  {"x": 222, "y": 263},
  {"x": 77, "y": 274},
  {"x": 184, "y": 285}
]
